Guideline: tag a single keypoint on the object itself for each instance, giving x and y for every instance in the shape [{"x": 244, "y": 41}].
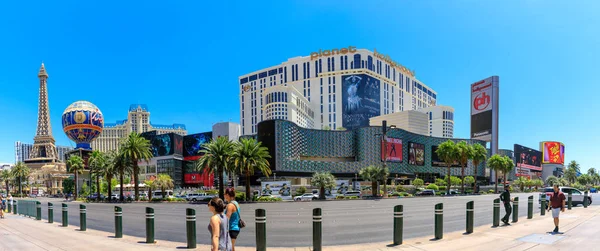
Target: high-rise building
[
  {"x": 22, "y": 151},
  {"x": 138, "y": 120},
  {"x": 441, "y": 121},
  {"x": 412, "y": 121},
  {"x": 337, "y": 88},
  {"x": 46, "y": 168}
]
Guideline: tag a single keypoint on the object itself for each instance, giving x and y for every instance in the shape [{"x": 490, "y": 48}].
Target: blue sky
[{"x": 182, "y": 59}]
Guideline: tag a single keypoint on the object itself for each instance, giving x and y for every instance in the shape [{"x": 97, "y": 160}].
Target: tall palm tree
[
  {"x": 448, "y": 153},
  {"x": 98, "y": 164},
  {"x": 575, "y": 166},
  {"x": 374, "y": 174},
  {"x": 108, "y": 170},
  {"x": 521, "y": 182},
  {"x": 508, "y": 166},
  {"x": 76, "y": 166},
  {"x": 165, "y": 182},
  {"x": 122, "y": 166},
  {"x": 136, "y": 148},
  {"x": 216, "y": 157},
  {"x": 151, "y": 185},
  {"x": 592, "y": 171},
  {"x": 323, "y": 180},
  {"x": 570, "y": 175},
  {"x": 496, "y": 163},
  {"x": 464, "y": 153},
  {"x": 6, "y": 177},
  {"x": 479, "y": 155},
  {"x": 20, "y": 172},
  {"x": 248, "y": 156}
]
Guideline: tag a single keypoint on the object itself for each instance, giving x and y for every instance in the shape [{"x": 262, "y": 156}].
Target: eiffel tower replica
[{"x": 46, "y": 169}]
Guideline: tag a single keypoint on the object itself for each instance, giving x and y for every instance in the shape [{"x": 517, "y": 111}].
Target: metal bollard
[
  {"x": 317, "y": 229},
  {"x": 65, "y": 215},
  {"x": 118, "y": 222},
  {"x": 496, "y": 220},
  {"x": 398, "y": 224},
  {"x": 543, "y": 206},
  {"x": 530, "y": 207},
  {"x": 9, "y": 207},
  {"x": 190, "y": 218},
  {"x": 470, "y": 216},
  {"x": 570, "y": 201},
  {"x": 585, "y": 199},
  {"x": 38, "y": 215},
  {"x": 149, "y": 225},
  {"x": 82, "y": 221},
  {"x": 50, "y": 213},
  {"x": 439, "y": 221},
  {"x": 261, "y": 229},
  {"x": 15, "y": 207},
  {"x": 515, "y": 210}
]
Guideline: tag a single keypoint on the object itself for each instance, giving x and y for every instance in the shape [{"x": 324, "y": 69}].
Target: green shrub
[
  {"x": 491, "y": 191},
  {"x": 483, "y": 193},
  {"x": 353, "y": 197},
  {"x": 439, "y": 193},
  {"x": 340, "y": 197},
  {"x": 442, "y": 188},
  {"x": 400, "y": 189},
  {"x": 300, "y": 190},
  {"x": 404, "y": 194},
  {"x": 211, "y": 192},
  {"x": 269, "y": 199},
  {"x": 433, "y": 186},
  {"x": 396, "y": 194},
  {"x": 240, "y": 196}
]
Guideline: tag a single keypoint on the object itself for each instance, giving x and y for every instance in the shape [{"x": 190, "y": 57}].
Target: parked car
[
  {"x": 181, "y": 196},
  {"x": 94, "y": 196},
  {"x": 426, "y": 192},
  {"x": 193, "y": 197},
  {"x": 577, "y": 196},
  {"x": 306, "y": 197}
]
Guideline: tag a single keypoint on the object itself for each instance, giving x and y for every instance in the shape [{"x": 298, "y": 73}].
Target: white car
[
  {"x": 193, "y": 197},
  {"x": 576, "y": 195},
  {"x": 306, "y": 197}
]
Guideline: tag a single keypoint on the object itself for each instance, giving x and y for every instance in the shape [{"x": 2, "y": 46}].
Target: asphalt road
[{"x": 289, "y": 224}]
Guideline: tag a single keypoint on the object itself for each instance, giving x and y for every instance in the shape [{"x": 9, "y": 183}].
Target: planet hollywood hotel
[{"x": 333, "y": 88}]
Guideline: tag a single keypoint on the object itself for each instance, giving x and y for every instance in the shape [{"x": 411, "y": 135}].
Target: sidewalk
[{"x": 579, "y": 226}]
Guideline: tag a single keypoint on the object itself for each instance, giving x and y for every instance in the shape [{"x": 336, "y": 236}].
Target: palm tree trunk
[
  {"x": 496, "y": 183},
  {"x": 248, "y": 198},
  {"x": 322, "y": 193},
  {"x": 98, "y": 187},
  {"x": 374, "y": 191},
  {"x": 162, "y": 191},
  {"x": 149, "y": 193},
  {"x": 136, "y": 171},
  {"x": 462, "y": 189},
  {"x": 449, "y": 181},
  {"x": 109, "y": 180},
  {"x": 121, "y": 180},
  {"x": 76, "y": 186},
  {"x": 475, "y": 176},
  {"x": 221, "y": 190}
]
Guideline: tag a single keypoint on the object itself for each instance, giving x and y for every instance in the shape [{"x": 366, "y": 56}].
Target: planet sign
[{"x": 82, "y": 122}]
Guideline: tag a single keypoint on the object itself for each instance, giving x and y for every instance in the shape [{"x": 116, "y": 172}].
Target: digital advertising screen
[
  {"x": 416, "y": 154},
  {"x": 553, "y": 152},
  {"x": 162, "y": 145},
  {"x": 192, "y": 143},
  {"x": 436, "y": 161},
  {"x": 528, "y": 158},
  {"x": 360, "y": 100},
  {"x": 277, "y": 188},
  {"x": 391, "y": 150},
  {"x": 483, "y": 107}
]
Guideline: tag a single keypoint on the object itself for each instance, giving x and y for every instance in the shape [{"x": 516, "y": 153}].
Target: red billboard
[
  {"x": 205, "y": 178},
  {"x": 553, "y": 152},
  {"x": 391, "y": 150}
]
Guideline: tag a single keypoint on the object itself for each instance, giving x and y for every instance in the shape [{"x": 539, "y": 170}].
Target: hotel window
[
  {"x": 328, "y": 64},
  {"x": 332, "y": 64},
  {"x": 308, "y": 69},
  {"x": 357, "y": 61}
]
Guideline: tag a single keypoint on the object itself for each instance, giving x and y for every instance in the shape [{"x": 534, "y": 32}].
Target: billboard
[
  {"x": 391, "y": 150},
  {"x": 553, "y": 152},
  {"x": 436, "y": 161},
  {"x": 527, "y": 158},
  {"x": 192, "y": 143},
  {"x": 276, "y": 188},
  {"x": 166, "y": 144},
  {"x": 360, "y": 100},
  {"x": 341, "y": 187},
  {"x": 416, "y": 154},
  {"x": 484, "y": 109}
]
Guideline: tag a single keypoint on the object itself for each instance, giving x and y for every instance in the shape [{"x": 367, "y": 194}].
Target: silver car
[{"x": 577, "y": 196}]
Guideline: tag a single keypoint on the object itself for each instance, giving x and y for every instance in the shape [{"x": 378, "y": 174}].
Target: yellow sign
[
  {"x": 246, "y": 88},
  {"x": 352, "y": 49}
]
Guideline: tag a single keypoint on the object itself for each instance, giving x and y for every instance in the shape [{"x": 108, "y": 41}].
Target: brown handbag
[{"x": 242, "y": 224}]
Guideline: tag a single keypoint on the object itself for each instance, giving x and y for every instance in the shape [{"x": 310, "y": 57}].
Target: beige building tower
[
  {"x": 138, "y": 120},
  {"x": 47, "y": 172}
]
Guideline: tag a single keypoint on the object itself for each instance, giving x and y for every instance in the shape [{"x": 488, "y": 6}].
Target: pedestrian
[
  {"x": 505, "y": 198},
  {"x": 557, "y": 204},
  {"x": 219, "y": 226},
  {"x": 2, "y": 206},
  {"x": 10, "y": 200},
  {"x": 233, "y": 216}
]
